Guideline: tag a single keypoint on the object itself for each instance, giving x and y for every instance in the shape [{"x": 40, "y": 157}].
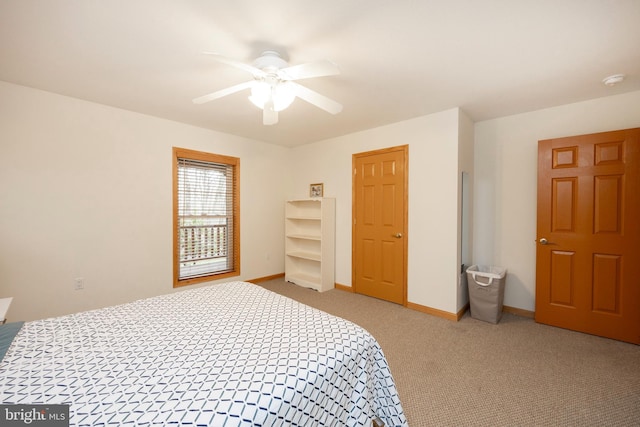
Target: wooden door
[
  {"x": 380, "y": 223},
  {"x": 588, "y": 250}
]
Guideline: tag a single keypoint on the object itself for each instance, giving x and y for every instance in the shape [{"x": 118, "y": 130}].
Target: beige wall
[
  {"x": 505, "y": 181},
  {"x": 85, "y": 191},
  {"x": 433, "y": 197}
]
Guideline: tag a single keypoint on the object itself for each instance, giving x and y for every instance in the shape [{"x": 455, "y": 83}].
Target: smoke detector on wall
[{"x": 613, "y": 80}]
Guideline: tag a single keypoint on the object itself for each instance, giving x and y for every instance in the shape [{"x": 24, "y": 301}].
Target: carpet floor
[{"x": 473, "y": 373}]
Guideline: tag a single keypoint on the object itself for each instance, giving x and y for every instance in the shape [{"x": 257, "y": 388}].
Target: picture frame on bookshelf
[{"x": 316, "y": 190}]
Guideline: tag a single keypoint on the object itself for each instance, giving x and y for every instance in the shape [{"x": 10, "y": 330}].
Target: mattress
[{"x": 231, "y": 354}]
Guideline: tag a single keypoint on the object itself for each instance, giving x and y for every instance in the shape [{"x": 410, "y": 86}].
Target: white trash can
[{"x": 486, "y": 292}]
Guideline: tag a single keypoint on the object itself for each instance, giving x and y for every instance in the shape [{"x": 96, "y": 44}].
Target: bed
[{"x": 231, "y": 354}]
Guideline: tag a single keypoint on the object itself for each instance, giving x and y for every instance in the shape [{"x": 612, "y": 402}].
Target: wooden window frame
[{"x": 183, "y": 153}]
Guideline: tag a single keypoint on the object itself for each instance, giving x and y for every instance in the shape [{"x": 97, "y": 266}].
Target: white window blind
[{"x": 205, "y": 218}]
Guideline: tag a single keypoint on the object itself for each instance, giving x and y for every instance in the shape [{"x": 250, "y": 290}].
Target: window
[{"x": 206, "y": 217}]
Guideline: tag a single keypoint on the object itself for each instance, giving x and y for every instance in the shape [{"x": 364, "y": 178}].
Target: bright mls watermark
[{"x": 34, "y": 415}]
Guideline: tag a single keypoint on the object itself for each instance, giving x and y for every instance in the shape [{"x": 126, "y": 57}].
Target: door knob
[
  {"x": 543, "y": 241},
  {"x": 397, "y": 235}
]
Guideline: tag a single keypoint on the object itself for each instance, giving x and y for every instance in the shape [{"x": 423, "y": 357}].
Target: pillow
[{"x": 7, "y": 334}]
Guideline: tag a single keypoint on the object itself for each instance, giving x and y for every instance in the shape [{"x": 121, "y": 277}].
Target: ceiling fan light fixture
[
  {"x": 260, "y": 93},
  {"x": 273, "y": 87},
  {"x": 282, "y": 93}
]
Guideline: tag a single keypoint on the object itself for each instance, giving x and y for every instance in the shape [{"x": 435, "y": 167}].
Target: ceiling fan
[{"x": 273, "y": 87}]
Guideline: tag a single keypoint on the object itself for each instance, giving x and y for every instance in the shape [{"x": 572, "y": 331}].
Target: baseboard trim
[
  {"x": 457, "y": 316},
  {"x": 519, "y": 312},
  {"x": 265, "y": 278},
  {"x": 344, "y": 287},
  {"x": 418, "y": 307},
  {"x": 433, "y": 311},
  {"x": 462, "y": 311}
]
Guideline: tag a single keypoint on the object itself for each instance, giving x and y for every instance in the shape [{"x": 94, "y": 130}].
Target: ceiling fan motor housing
[{"x": 270, "y": 61}]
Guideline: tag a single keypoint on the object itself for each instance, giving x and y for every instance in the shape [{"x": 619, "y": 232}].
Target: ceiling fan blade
[
  {"x": 269, "y": 114},
  {"x": 320, "y": 101},
  {"x": 238, "y": 64},
  {"x": 309, "y": 70},
  {"x": 224, "y": 92}
]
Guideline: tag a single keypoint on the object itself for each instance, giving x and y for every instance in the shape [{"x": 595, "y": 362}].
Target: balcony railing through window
[
  {"x": 202, "y": 242},
  {"x": 203, "y": 248}
]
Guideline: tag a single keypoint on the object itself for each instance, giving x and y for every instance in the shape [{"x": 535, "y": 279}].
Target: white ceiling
[{"x": 399, "y": 59}]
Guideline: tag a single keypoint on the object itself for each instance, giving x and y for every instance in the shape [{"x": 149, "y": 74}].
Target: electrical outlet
[{"x": 78, "y": 283}]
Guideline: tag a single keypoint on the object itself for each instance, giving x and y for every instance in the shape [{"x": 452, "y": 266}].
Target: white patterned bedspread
[{"x": 231, "y": 354}]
